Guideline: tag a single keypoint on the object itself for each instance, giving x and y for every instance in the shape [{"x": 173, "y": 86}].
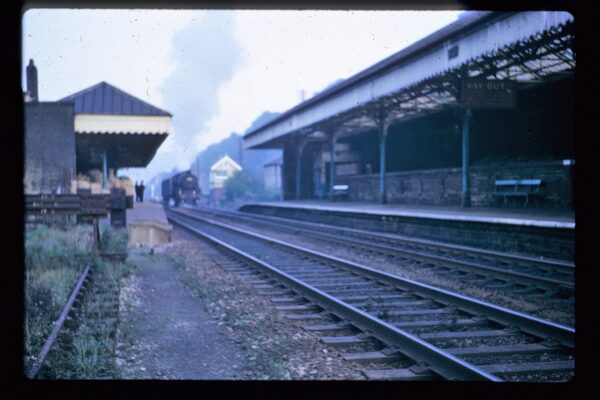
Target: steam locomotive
[{"x": 181, "y": 188}]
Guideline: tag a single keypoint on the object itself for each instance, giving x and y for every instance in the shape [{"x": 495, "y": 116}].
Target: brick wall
[
  {"x": 49, "y": 146},
  {"x": 443, "y": 186}
]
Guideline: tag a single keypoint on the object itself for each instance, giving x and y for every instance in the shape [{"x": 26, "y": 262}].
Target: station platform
[
  {"x": 147, "y": 225},
  {"x": 546, "y": 233},
  {"x": 547, "y": 218}
]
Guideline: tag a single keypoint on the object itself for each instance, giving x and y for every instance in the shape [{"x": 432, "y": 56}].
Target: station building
[
  {"x": 101, "y": 128},
  {"x": 220, "y": 172},
  {"x": 489, "y": 97},
  {"x": 272, "y": 174}
]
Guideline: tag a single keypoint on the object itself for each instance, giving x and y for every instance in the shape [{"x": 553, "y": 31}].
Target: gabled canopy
[
  {"x": 109, "y": 120},
  {"x": 104, "y": 98}
]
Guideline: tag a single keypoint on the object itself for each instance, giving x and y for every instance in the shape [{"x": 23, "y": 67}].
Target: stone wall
[
  {"x": 443, "y": 186},
  {"x": 49, "y": 147},
  {"x": 557, "y": 243}
]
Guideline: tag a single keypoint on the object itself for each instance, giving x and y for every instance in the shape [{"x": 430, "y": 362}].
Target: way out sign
[{"x": 481, "y": 93}]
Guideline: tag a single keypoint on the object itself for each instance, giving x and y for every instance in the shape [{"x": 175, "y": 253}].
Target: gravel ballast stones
[{"x": 255, "y": 341}]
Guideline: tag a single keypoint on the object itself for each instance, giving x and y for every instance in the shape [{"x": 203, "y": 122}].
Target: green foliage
[
  {"x": 54, "y": 258},
  {"x": 114, "y": 240},
  {"x": 245, "y": 186}
]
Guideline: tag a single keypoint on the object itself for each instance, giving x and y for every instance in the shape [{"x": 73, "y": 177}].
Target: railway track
[
  {"x": 406, "y": 329},
  {"x": 93, "y": 297},
  {"x": 527, "y": 276}
]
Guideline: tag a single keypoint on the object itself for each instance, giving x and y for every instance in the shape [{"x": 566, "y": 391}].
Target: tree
[{"x": 245, "y": 186}]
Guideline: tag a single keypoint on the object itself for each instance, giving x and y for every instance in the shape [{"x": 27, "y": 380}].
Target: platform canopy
[
  {"x": 529, "y": 48},
  {"x": 111, "y": 122}
]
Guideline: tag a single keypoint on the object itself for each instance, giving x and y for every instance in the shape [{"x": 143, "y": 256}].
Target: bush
[
  {"x": 244, "y": 186},
  {"x": 114, "y": 240}
]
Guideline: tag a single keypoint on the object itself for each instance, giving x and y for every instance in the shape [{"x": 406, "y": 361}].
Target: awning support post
[
  {"x": 298, "y": 169},
  {"x": 331, "y": 166},
  {"x": 466, "y": 190},
  {"x": 104, "y": 170},
  {"x": 382, "y": 149}
]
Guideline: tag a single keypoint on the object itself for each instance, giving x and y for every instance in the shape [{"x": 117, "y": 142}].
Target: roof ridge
[
  {"x": 79, "y": 93},
  {"x": 113, "y": 91}
]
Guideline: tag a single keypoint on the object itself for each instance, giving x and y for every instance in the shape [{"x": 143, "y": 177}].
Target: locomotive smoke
[{"x": 206, "y": 55}]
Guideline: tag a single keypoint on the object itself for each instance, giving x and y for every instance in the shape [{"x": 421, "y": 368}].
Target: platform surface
[
  {"x": 146, "y": 212},
  {"x": 548, "y": 218}
]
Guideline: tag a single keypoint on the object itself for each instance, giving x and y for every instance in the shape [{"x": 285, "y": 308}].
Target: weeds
[
  {"x": 114, "y": 240},
  {"x": 54, "y": 259}
]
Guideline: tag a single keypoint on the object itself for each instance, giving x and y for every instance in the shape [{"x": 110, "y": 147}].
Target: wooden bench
[
  {"x": 340, "y": 191},
  {"x": 516, "y": 188}
]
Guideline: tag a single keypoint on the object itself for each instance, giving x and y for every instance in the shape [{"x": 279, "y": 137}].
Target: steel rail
[
  {"x": 504, "y": 316},
  {"x": 438, "y": 360},
  {"x": 58, "y": 326},
  {"x": 519, "y": 277},
  {"x": 564, "y": 266},
  {"x": 373, "y": 325}
]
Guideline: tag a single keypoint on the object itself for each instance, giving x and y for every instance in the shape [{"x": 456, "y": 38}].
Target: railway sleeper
[
  {"x": 299, "y": 307},
  {"x": 259, "y": 282},
  {"x": 346, "y": 340},
  {"x": 495, "y": 350},
  {"x": 384, "y": 305},
  {"x": 347, "y": 286},
  {"x": 328, "y": 327},
  {"x": 374, "y": 299},
  {"x": 321, "y": 315},
  {"x": 333, "y": 283},
  {"x": 373, "y": 356},
  {"x": 448, "y": 323},
  {"x": 415, "y": 373},
  {"x": 267, "y": 286},
  {"x": 277, "y": 292},
  {"x": 288, "y": 299},
  {"x": 417, "y": 312},
  {"x": 444, "y": 335},
  {"x": 328, "y": 280},
  {"x": 545, "y": 367}
]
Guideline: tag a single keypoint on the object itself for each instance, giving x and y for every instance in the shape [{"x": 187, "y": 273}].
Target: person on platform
[
  {"x": 142, "y": 187},
  {"x": 137, "y": 192}
]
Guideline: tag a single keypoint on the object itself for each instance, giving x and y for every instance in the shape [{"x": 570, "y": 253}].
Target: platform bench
[
  {"x": 340, "y": 191},
  {"x": 517, "y": 188}
]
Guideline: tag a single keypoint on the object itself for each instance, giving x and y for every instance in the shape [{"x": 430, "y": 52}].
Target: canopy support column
[
  {"x": 332, "y": 165},
  {"x": 382, "y": 149},
  {"x": 299, "y": 167},
  {"x": 104, "y": 170},
  {"x": 466, "y": 189}
]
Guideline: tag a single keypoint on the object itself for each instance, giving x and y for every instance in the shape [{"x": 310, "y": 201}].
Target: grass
[
  {"x": 54, "y": 260},
  {"x": 114, "y": 240}
]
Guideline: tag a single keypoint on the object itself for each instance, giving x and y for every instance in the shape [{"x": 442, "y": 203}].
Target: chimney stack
[{"x": 32, "y": 82}]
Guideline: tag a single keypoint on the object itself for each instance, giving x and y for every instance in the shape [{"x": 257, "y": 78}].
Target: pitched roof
[
  {"x": 104, "y": 98},
  {"x": 223, "y": 161}
]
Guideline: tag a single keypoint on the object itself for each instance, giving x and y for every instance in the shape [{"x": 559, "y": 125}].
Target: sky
[{"x": 216, "y": 71}]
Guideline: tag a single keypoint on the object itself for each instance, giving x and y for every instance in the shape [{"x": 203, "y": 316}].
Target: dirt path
[{"x": 166, "y": 332}]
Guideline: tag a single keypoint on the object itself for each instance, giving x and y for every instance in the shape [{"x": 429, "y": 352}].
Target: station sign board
[{"x": 488, "y": 94}]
